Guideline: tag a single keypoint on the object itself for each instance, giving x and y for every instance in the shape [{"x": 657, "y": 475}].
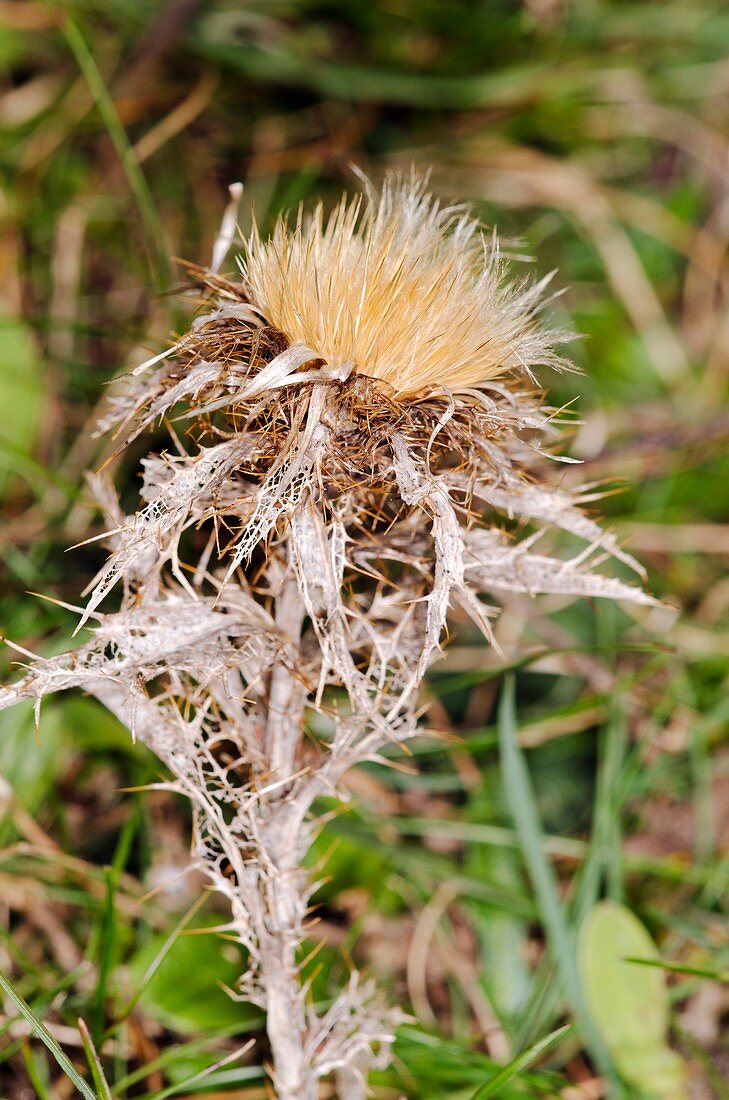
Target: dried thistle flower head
[
  {"x": 361, "y": 419},
  {"x": 404, "y": 289}
]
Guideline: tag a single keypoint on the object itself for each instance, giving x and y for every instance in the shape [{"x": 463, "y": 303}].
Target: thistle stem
[
  {"x": 286, "y": 1023},
  {"x": 285, "y": 889},
  {"x": 286, "y": 697}
]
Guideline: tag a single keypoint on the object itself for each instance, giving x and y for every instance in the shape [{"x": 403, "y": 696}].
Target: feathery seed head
[{"x": 408, "y": 291}]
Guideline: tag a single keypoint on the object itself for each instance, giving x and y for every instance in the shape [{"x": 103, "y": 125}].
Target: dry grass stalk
[{"x": 361, "y": 416}]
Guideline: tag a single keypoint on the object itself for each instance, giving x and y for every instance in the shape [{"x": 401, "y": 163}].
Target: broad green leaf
[
  {"x": 198, "y": 1003},
  {"x": 31, "y": 764},
  {"x": 95, "y": 730},
  {"x": 344, "y": 862},
  {"x": 21, "y": 385},
  {"x": 629, "y": 1002}
]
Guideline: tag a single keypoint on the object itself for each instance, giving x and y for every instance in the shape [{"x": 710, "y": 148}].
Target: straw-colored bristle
[{"x": 410, "y": 292}]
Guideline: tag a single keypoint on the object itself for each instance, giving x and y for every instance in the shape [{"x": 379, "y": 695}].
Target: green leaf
[
  {"x": 95, "y": 730},
  {"x": 159, "y": 958},
  {"x": 21, "y": 384},
  {"x": 32, "y": 765},
  {"x": 199, "y": 1003},
  {"x": 629, "y": 1003}
]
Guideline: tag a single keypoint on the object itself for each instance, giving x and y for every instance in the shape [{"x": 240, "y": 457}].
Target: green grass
[{"x": 595, "y": 136}]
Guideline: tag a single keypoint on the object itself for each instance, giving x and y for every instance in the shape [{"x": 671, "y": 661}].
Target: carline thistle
[{"x": 355, "y": 418}]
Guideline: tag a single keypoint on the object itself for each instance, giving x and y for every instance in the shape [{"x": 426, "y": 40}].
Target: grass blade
[
  {"x": 521, "y": 1062},
  {"x": 94, "y": 1061},
  {"x": 202, "y": 1075},
  {"x": 521, "y": 801},
  {"x": 45, "y": 1036},
  {"x": 138, "y": 185},
  {"x": 34, "y": 1073},
  {"x": 603, "y": 862},
  {"x": 721, "y": 976},
  {"x": 106, "y": 941},
  {"x": 171, "y": 1055}
]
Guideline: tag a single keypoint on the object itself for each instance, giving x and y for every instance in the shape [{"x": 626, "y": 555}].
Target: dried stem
[
  {"x": 287, "y": 888},
  {"x": 286, "y": 1024},
  {"x": 287, "y": 697}
]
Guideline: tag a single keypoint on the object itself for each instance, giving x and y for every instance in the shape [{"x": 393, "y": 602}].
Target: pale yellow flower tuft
[{"x": 408, "y": 291}]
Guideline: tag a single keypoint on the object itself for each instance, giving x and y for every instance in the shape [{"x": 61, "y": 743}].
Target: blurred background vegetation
[{"x": 595, "y": 135}]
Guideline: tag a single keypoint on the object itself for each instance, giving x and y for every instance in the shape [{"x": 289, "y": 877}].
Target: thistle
[{"x": 360, "y": 414}]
